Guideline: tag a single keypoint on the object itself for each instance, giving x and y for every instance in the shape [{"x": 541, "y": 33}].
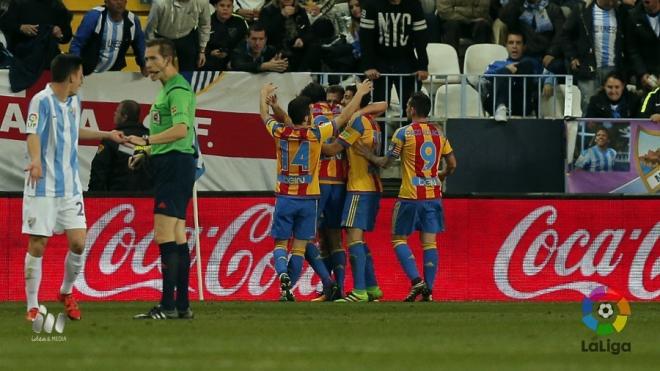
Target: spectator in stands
[
  {"x": 34, "y": 28},
  {"x": 593, "y": 43},
  {"x": 187, "y": 23},
  {"x": 518, "y": 63},
  {"x": 397, "y": 47},
  {"x": 344, "y": 53},
  {"x": 227, "y": 32},
  {"x": 289, "y": 31},
  {"x": 613, "y": 100},
  {"x": 651, "y": 106},
  {"x": 104, "y": 36},
  {"x": 643, "y": 42},
  {"x": 541, "y": 22},
  {"x": 254, "y": 55},
  {"x": 599, "y": 157},
  {"x": 110, "y": 171},
  {"x": 464, "y": 19},
  {"x": 249, "y": 9}
]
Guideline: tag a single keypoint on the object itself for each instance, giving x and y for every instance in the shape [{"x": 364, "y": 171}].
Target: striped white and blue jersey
[
  {"x": 57, "y": 124},
  {"x": 113, "y": 34},
  {"x": 595, "y": 159},
  {"x": 605, "y": 29}
]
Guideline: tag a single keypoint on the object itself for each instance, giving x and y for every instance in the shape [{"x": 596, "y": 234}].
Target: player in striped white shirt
[
  {"x": 599, "y": 157},
  {"x": 52, "y": 197}
]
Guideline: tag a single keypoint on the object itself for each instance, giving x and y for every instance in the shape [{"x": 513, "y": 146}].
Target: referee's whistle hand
[{"x": 135, "y": 140}]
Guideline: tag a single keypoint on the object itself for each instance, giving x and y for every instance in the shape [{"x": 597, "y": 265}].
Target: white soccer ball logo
[{"x": 605, "y": 310}]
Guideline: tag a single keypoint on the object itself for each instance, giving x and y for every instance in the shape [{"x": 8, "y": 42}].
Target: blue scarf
[{"x": 536, "y": 16}]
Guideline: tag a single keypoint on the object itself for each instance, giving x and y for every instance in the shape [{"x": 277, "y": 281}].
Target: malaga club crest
[{"x": 647, "y": 153}]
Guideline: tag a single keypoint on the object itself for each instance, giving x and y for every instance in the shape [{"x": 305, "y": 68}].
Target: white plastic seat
[
  {"x": 478, "y": 57},
  {"x": 448, "y": 100}
]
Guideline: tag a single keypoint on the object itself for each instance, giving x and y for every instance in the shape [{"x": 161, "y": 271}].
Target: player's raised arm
[
  {"x": 267, "y": 90},
  {"x": 278, "y": 111},
  {"x": 374, "y": 109},
  {"x": 363, "y": 89}
]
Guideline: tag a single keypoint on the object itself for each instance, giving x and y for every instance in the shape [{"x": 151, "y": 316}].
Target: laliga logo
[
  {"x": 605, "y": 303},
  {"x": 604, "y": 297}
]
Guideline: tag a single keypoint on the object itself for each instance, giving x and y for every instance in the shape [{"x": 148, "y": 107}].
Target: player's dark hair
[
  {"x": 352, "y": 89},
  {"x": 366, "y": 99},
  {"x": 63, "y": 66},
  {"x": 130, "y": 109},
  {"x": 299, "y": 108},
  {"x": 314, "y": 91},
  {"x": 421, "y": 103},
  {"x": 336, "y": 89},
  {"x": 166, "y": 47}
]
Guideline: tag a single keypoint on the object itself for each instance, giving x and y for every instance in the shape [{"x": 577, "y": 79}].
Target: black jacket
[
  {"x": 242, "y": 60},
  {"x": 538, "y": 44},
  {"x": 578, "y": 40},
  {"x": 110, "y": 170},
  {"x": 600, "y": 105},
  {"x": 45, "y": 13},
  {"x": 275, "y": 24},
  {"x": 651, "y": 104},
  {"x": 643, "y": 47},
  {"x": 224, "y": 37}
]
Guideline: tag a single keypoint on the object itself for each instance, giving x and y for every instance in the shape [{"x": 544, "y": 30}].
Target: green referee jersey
[{"x": 175, "y": 104}]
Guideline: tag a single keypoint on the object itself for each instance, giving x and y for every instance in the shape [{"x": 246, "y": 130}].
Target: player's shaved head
[{"x": 298, "y": 109}]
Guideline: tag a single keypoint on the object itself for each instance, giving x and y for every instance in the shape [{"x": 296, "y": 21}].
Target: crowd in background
[{"x": 589, "y": 39}]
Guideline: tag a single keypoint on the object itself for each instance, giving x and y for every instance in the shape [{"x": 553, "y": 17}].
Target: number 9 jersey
[
  {"x": 420, "y": 146},
  {"x": 298, "y": 156}
]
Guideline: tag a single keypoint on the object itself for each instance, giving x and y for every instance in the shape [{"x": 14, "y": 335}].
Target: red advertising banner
[{"x": 493, "y": 249}]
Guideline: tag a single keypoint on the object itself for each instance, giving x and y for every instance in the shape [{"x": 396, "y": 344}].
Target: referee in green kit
[{"x": 171, "y": 144}]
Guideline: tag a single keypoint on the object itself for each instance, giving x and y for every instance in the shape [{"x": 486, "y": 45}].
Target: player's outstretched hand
[
  {"x": 117, "y": 136},
  {"x": 364, "y": 87},
  {"x": 135, "y": 140},
  {"x": 268, "y": 90},
  {"x": 34, "y": 169}
]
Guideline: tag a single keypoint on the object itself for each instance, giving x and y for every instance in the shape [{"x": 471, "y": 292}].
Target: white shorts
[{"x": 43, "y": 216}]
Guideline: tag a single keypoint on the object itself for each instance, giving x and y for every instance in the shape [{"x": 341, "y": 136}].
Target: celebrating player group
[{"x": 328, "y": 165}]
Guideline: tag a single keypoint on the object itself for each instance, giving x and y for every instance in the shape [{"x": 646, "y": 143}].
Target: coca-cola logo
[
  {"x": 114, "y": 252},
  {"x": 548, "y": 251}
]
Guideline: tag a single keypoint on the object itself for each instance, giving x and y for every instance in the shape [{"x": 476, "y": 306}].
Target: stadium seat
[
  {"x": 443, "y": 60},
  {"x": 551, "y": 109},
  {"x": 448, "y": 100},
  {"x": 478, "y": 57}
]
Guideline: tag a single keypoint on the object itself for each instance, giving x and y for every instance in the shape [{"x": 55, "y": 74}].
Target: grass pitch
[{"x": 330, "y": 336}]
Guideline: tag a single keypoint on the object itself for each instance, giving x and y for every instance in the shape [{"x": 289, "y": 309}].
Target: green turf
[{"x": 330, "y": 336}]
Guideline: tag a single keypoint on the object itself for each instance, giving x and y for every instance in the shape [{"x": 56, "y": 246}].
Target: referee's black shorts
[{"x": 174, "y": 177}]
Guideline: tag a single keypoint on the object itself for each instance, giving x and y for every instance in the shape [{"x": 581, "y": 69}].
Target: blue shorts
[
  {"x": 331, "y": 205},
  {"x": 294, "y": 217},
  {"x": 424, "y": 215},
  {"x": 360, "y": 210},
  {"x": 174, "y": 178}
]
